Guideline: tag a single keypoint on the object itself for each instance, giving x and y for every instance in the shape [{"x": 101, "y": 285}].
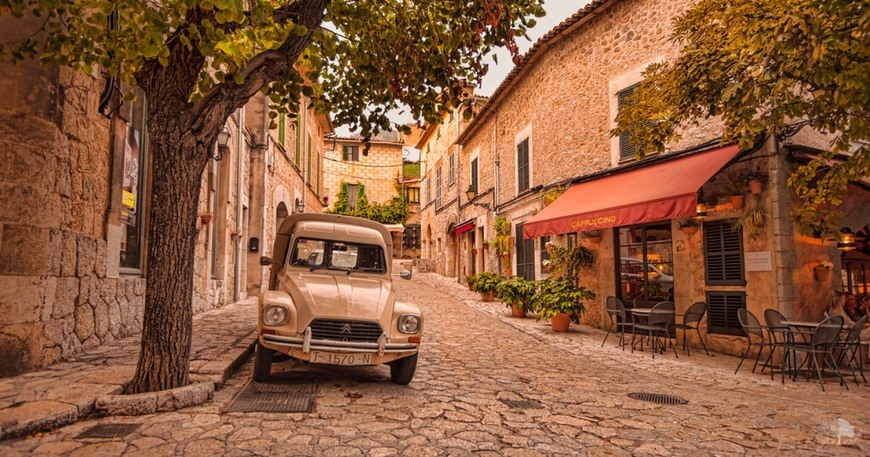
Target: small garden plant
[{"x": 516, "y": 291}]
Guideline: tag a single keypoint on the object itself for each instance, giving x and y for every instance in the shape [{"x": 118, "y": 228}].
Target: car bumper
[{"x": 301, "y": 348}]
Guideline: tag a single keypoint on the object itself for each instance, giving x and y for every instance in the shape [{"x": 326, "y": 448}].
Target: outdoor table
[
  {"x": 641, "y": 316},
  {"x": 805, "y": 329}
]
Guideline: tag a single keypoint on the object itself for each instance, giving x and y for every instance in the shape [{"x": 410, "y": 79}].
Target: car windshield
[{"x": 338, "y": 255}]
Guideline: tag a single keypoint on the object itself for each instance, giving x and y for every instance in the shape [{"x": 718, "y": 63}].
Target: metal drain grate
[
  {"x": 109, "y": 431},
  {"x": 283, "y": 397},
  {"x": 522, "y": 404},
  {"x": 661, "y": 399}
]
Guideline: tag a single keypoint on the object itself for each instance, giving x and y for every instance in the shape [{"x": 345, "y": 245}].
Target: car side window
[{"x": 308, "y": 253}]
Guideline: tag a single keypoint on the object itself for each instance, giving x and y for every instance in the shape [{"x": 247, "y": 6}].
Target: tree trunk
[{"x": 178, "y": 162}]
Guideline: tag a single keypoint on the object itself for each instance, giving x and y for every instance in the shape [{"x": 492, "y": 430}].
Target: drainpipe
[
  {"x": 497, "y": 162},
  {"x": 456, "y": 176},
  {"x": 240, "y": 165}
]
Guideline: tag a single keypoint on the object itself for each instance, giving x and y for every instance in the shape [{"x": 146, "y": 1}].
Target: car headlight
[
  {"x": 409, "y": 323},
  {"x": 274, "y": 315}
]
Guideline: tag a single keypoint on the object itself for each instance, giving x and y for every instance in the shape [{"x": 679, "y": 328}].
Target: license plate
[{"x": 340, "y": 359}]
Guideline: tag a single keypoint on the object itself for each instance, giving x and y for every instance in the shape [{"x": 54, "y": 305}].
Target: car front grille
[{"x": 342, "y": 330}]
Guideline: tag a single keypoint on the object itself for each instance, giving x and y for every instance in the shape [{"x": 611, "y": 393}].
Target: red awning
[
  {"x": 664, "y": 190},
  {"x": 464, "y": 227}
]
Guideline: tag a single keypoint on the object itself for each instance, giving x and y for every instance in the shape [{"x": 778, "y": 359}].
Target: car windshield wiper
[{"x": 365, "y": 270}]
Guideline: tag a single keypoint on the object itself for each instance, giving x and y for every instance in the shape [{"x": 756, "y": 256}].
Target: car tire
[
  {"x": 402, "y": 370},
  {"x": 263, "y": 363}
]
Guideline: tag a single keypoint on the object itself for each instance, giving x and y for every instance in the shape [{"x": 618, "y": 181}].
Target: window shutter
[
  {"x": 722, "y": 315},
  {"x": 723, "y": 250},
  {"x": 438, "y": 188},
  {"x": 474, "y": 174},
  {"x": 525, "y": 255},
  {"x": 523, "y": 166},
  {"x": 344, "y": 153},
  {"x": 627, "y": 149},
  {"x": 451, "y": 173}
]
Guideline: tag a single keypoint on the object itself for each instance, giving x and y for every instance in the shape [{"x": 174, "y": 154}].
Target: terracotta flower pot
[
  {"x": 594, "y": 239},
  {"x": 755, "y": 186},
  {"x": 689, "y": 229},
  {"x": 486, "y": 296},
  {"x": 560, "y": 322},
  {"x": 737, "y": 201},
  {"x": 821, "y": 273},
  {"x": 516, "y": 311}
]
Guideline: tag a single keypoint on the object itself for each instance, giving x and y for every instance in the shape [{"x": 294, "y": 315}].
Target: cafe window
[
  {"x": 645, "y": 264},
  {"x": 133, "y": 188},
  {"x": 215, "y": 189}
]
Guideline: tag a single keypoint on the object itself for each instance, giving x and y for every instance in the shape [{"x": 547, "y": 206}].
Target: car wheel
[
  {"x": 263, "y": 363},
  {"x": 402, "y": 370}
]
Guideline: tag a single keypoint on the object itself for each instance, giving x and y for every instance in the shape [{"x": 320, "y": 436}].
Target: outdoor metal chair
[
  {"x": 778, "y": 336},
  {"x": 851, "y": 347},
  {"x": 692, "y": 321},
  {"x": 821, "y": 345},
  {"x": 658, "y": 325},
  {"x": 751, "y": 326},
  {"x": 618, "y": 319}
]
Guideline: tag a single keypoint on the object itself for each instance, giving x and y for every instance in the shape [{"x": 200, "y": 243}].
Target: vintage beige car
[{"x": 331, "y": 298}]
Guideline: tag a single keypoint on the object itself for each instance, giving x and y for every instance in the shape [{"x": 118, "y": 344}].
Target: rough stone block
[
  {"x": 100, "y": 259},
  {"x": 85, "y": 255},
  {"x": 34, "y": 416},
  {"x": 101, "y": 320},
  {"x": 25, "y": 251},
  {"x": 68, "y": 254},
  {"x": 65, "y": 297},
  {"x": 84, "y": 317},
  {"x": 20, "y": 299},
  {"x": 127, "y": 405}
]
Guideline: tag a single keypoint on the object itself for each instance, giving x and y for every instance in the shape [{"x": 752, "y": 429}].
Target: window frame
[
  {"x": 349, "y": 153},
  {"x": 142, "y": 188},
  {"x": 438, "y": 187},
  {"x": 451, "y": 172}
]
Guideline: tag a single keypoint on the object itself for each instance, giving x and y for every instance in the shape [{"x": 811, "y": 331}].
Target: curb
[{"x": 42, "y": 415}]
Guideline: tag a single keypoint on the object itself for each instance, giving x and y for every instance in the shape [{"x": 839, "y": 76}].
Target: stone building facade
[
  {"x": 547, "y": 129},
  {"x": 440, "y": 191},
  {"x": 378, "y": 170},
  {"x": 74, "y": 206}
]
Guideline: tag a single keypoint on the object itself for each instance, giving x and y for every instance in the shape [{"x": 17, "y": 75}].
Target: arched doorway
[{"x": 280, "y": 214}]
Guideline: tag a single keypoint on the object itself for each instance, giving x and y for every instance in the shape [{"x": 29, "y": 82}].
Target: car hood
[{"x": 340, "y": 296}]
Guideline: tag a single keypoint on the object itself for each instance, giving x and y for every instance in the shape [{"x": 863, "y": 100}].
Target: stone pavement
[
  {"x": 488, "y": 384},
  {"x": 66, "y": 392}
]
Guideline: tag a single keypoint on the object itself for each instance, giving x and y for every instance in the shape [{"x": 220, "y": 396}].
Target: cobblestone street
[{"x": 489, "y": 384}]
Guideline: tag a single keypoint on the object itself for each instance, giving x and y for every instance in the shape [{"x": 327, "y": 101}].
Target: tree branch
[{"x": 264, "y": 68}]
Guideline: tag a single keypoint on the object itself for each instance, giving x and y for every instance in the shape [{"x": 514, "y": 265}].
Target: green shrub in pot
[{"x": 517, "y": 291}]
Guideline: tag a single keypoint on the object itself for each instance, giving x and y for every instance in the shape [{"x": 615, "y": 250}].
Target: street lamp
[
  {"x": 471, "y": 193},
  {"x": 847, "y": 240},
  {"x": 299, "y": 207},
  {"x": 223, "y": 142}
]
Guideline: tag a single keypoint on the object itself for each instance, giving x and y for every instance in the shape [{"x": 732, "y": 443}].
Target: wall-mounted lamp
[
  {"x": 701, "y": 210},
  {"x": 471, "y": 193},
  {"x": 847, "y": 240},
  {"x": 299, "y": 207},
  {"x": 223, "y": 142}
]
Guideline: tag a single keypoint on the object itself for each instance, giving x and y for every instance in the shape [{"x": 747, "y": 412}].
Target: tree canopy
[
  {"x": 359, "y": 58},
  {"x": 769, "y": 67},
  {"x": 197, "y": 61}
]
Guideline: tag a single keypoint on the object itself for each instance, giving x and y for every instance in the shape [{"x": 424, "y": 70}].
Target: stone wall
[{"x": 60, "y": 290}]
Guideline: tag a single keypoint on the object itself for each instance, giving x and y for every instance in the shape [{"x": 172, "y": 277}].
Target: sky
[{"x": 557, "y": 11}]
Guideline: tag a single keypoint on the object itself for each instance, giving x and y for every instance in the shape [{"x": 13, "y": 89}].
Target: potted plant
[
  {"x": 562, "y": 261},
  {"x": 757, "y": 180},
  {"x": 502, "y": 242},
  {"x": 553, "y": 194},
  {"x": 752, "y": 221},
  {"x": 689, "y": 226},
  {"x": 485, "y": 284},
  {"x": 469, "y": 279},
  {"x": 560, "y": 301},
  {"x": 516, "y": 293},
  {"x": 735, "y": 189},
  {"x": 822, "y": 271},
  {"x": 593, "y": 236}
]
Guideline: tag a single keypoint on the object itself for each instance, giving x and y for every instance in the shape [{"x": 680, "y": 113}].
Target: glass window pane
[{"x": 132, "y": 188}]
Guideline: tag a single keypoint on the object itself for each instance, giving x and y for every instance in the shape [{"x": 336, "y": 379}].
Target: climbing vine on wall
[{"x": 393, "y": 212}]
